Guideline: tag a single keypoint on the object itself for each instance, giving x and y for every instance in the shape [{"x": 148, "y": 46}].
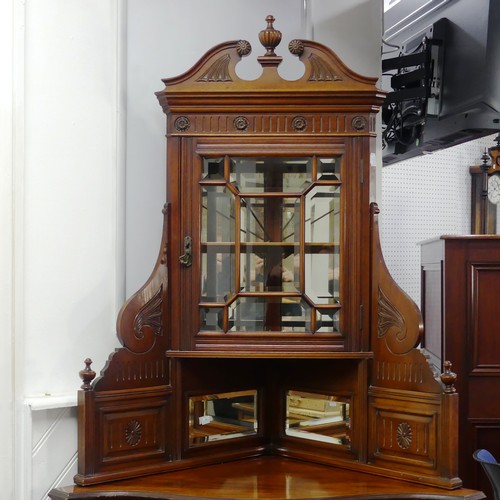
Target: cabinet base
[{"x": 265, "y": 477}]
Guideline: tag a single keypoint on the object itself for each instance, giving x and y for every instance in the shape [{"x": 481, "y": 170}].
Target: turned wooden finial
[
  {"x": 270, "y": 37},
  {"x": 448, "y": 378},
  {"x": 87, "y": 375}
]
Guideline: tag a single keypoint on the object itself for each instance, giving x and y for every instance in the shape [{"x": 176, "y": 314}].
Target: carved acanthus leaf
[
  {"x": 150, "y": 315},
  {"x": 218, "y": 72},
  {"x": 391, "y": 325},
  {"x": 321, "y": 71}
]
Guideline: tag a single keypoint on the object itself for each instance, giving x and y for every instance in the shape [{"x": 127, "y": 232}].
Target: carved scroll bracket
[
  {"x": 142, "y": 331},
  {"x": 141, "y": 322},
  {"x": 399, "y": 321},
  {"x": 397, "y": 329}
]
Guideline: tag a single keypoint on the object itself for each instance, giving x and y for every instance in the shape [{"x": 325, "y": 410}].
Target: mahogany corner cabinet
[{"x": 270, "y": 354}]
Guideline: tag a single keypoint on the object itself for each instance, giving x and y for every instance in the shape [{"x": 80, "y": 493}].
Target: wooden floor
[{"x": 263, "y": 478}]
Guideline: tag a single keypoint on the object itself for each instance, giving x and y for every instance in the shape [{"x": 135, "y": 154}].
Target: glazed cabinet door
[{"x": 267, "y": 260}]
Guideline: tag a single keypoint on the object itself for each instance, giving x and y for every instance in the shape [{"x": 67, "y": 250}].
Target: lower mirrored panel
[
  {"x": 215, "y": 417},
  {"x": 318, "y": 417}
]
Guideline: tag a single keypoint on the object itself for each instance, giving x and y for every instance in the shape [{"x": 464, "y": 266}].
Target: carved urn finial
[
  {"x": 270, "y": 38},
  {"x": 448, "y": 378},
  {"x": 87, "y": 375}
]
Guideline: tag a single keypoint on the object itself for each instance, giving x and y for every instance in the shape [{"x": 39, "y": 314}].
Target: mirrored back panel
[
  {"x": 318, "y": 417},
  {"x": 271, "y": 236},
  {"x": 215, "y": 417}
]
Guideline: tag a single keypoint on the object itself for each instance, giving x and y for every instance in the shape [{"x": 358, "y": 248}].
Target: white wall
[
  {"x": 7, "y": 150},
  {"x": 70, "y": 189},
  {"x": 61, "y": 251},
  {"x": 422, "y": 198}
]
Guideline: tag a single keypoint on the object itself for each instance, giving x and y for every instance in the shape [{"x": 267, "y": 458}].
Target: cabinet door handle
[{"x": 186, "y": 258}]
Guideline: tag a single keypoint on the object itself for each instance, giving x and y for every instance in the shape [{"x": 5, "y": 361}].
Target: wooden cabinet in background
[{"x": 460, "y": 304}]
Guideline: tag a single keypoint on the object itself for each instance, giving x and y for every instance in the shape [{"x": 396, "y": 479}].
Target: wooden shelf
[
  {"x": 266, "y": 477},
  {"x": 310, "y": 247},
  {"x": 270, "y": 354}
]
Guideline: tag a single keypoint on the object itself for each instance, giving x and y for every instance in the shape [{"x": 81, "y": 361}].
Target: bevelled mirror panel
[
  {"x": 323, "y": 215},
  {"x": 217, "y": 214},
  {"x": 270, "y": 313},
  {"x": 322, "y": 244},
  {"x": 216, "y": 417},
  {"x": 329, "y": 169},
  {"x": 318, "y": 417},
  {"x": 217, "y": 244},
  {"x": 327, "y": 320},
  {"x": 270, "y": 244},
  {"x": 270, "y": 268},
  {"x": 212, "y": 319},
  {"x": 259, "y": 175},
  {"x": 217, "y": 274},
  {"x": 269, "y": 219},
  {"x": 213, "y": 169},
  {"x": 322, "y": 277}
]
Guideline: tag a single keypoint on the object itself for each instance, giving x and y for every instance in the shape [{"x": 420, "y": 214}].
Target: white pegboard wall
[{"x": 423, "y": 198}]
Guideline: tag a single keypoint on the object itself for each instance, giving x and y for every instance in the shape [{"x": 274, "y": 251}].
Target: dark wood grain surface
[{"x": 267, "y": 477}]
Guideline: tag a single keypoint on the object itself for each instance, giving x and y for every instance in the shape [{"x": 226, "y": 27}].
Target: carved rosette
[
  {"x": 299, "y": 124},
  {"x": 182, "y": 123},
  {"x": 243, "y": 48},
  {"x": 296, "y": 47},
  {"x": 133, "y": 433},
  {"x": 359, "y": 123},
  {"x": 241, "y": 123},
  {"x": 404, "y": 435}
]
